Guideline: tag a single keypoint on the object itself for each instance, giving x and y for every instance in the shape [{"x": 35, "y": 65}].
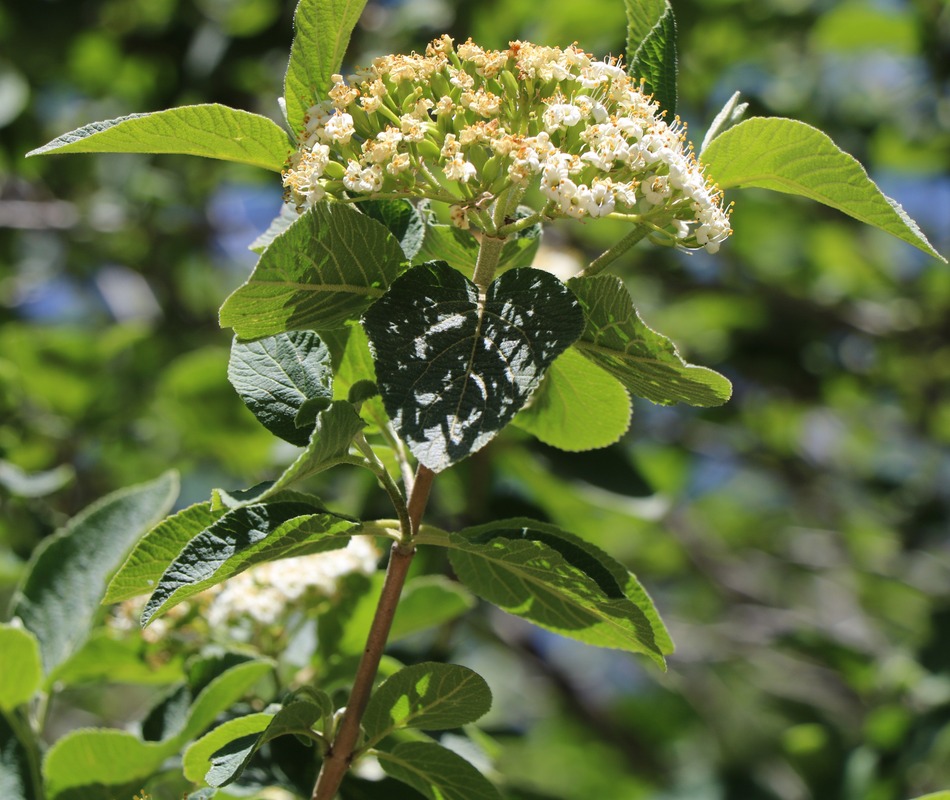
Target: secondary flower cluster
[{"x": 462, "y": 125}]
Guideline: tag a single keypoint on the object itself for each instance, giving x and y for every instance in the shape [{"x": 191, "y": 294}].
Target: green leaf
[
  {"x": 322, "y": 33},
  {"x": 642, "y": 18},
  {"x": 357, "y": 366},
  {"x": 20, "y": 666},
  {"x": 436, "y": 772},
  {"x": 646, "y": 363},
  {"x": 16, "y": 782},
  {"x": 728, "y": 117},
  {"x": 63, "y": 587},
  {"x": 322, "y": 272},
  {"x": 428, "y": 696},
  {"x": 277, "y": 375},
  {"x": 452, "y": 370},
  {"x": 459, "y": 248},
  {"x": 196, "y": 760},
  {"x": 104, "y": 658},
  {"x": 37, "y": 484},
  {"x": 244, "y": 537},
  {"x": 156, "y": 550},
  {"x": 578, "y": 406},
  {"x": 212, "y": 131},
  {"x": 559, "y": 582},
  {"x": 935, "y": 796},
  {"x": 788, "y": 156},
  {"x": 654, "y": 60},
  {"x": 402, "y": 219},
  {"x": 287, "y": 216}
]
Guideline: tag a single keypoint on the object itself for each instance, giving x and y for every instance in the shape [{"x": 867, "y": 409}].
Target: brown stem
[{"x": 339, "y": 756}]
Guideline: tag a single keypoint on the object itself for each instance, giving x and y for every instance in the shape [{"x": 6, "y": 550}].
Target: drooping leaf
[
  {"x": 156, "y": 550},
  {"x": 452, "y": 370},
  {"x": 785, "y": 155},
  {"x": 16, "y": 782},
  {"x": 323, "y": 271},
  {"x": 429, "y": 696},
  {"x": 20, "y": 667},
  {"x": 196, "y": 760},
  {"x": 322, "y": 30},
  {"x": 210, "y": 130},
  {"x": 64, "y": 584},
  {"x": 402, "y": 219},
  {"x": 244, "y": 537},
  {"x": 654, "y": 60},
  {"x": 285, "y": 218},
  {"x": 645, "y": 362},
  {"x": 559, "y": 582},
  {"x": 277, "y": 375},
  {"x": 578, "y": 406},
  {"x": 436, "y": 772}
]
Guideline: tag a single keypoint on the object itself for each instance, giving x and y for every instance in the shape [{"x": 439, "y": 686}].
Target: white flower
[{"x": 340, "y": 128}]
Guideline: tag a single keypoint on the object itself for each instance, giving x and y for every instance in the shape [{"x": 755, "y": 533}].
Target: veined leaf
[
  {"x": 785, "y": 155},
  {"x": 578, "y": 406},
  {"x": 196, "y": 760},
  {"x": 402, "y": 219},
  {"x": 16, "y": 782},
  {"x": 453, "y": 370},
  {"x": 642, "y": 17},
  {"x": 323, "y": 271},
  {"x": 429, "y": 696},
  {"x": 20, "y": 667},
  {"x": 559, "y": 582},
  {"x": 645, "y": 362},
  {"x": 156, "y": 550},
  {"x": 64, "y": 584},
  {"x": 654, "y": 59},
  {"x": 242, "y": 538},
  {"x": 322, "y": 33},
  {"x": 211, "y": 130},
  {"x": 277, "y": 375},
  {"x": 436, "y": 772}
]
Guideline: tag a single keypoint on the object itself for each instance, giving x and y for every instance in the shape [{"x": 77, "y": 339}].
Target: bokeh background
[{"x": 796, "y": 540}]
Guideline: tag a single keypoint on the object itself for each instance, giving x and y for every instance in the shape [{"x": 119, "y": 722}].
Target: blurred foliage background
[{"x": 796, "y": 540}]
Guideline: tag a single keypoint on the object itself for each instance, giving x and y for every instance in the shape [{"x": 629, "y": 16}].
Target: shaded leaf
[
  {"x": 322, "y": 30},
  {"x": 244, "y": 537},
  {"x": 644, "y": 361},
  {"x": 729, "y": 116},
  {"x": 15, "y": 780},
  {"x": 452, "y": 370},
  {"x": 211, "y": 130},
  {"x": 436, "y": 772},
  {"x": 285, "y": 218},
  {"x": 277, "y": 375},
  {"x": 20, "y": 666},
  {"x": 104, "y": 658},
  {"x": 196, "y": 760},
  {"x": 323, "y": 271},
  {"x": 578, "y": 406},
  {"x": 428, "y": 696},
  {"x": 402, "y": 219},
  {"x": 785, "y": 155},
  {"x": 459, "y": 248},
  {"x": 642, "y": 17},
  {"x": 60, "y": 595},
  {"x": 654, "y": 60}
]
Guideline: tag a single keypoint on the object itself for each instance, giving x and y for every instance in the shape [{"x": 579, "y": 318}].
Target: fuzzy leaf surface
[
  {"x": 429, "y": 696},
  {"x": 785, "y": 155},
  {"x": 242, "y": 538},
  {"x": 322, "y": 30},
  {"x": 436, "y": 772},
  {"x": 402, "y": 219},
  {"x": 64, "y": 584},
  {"x": 578, "y": 406},
  {"x": 321, "y": 272},
  {"x": 210, "y": 130},
  {"x": 644, "y": 361},
  {"x": 453, "y": 370},
  {"x": 559, "y": 582},
  {"x": 655, "y": 58},
  {"x": 277, "y": 375}
]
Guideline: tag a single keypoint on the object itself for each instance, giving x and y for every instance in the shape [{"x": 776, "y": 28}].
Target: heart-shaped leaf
[{"x": 454, "y": 368}]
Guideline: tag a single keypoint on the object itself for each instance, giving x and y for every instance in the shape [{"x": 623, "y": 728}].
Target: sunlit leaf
[
  {"x": 196, "y": 760},
  {"x": 20, "y": 666}
]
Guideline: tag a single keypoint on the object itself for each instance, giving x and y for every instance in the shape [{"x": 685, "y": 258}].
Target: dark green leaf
[
  {"x": 322, "y": 31},
  {"x": 402, "y": 219},
  {"x": 654, "y": 61},
  {"x": 428, "y": 696},
  {"x": 453, "y": 371},
  {"x": 242, "y": 538},
  {"x": 156, "y": 550},
  {"x": 642, "y": 17},
  {"x": 646, "y": 363},
  {"x": 322, "y": 272},
  {"x": 16, "y": 782},
  {"x": 65, "y": 582},
  {"x": 212, "y": 131},
  {"x": 436, "y": 772},
  {"x": 578, "y": 406},
  {"x": 288, "y": 216},
  {"x": 277, "y": 375},
  {"x": 559, "y": 582},
  {"x": 20, "y": 667},
  {"x": 785, "y": 155}
]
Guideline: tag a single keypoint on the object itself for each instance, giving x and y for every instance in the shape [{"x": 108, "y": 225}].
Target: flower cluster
[{"x": 463, "y": 124}]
